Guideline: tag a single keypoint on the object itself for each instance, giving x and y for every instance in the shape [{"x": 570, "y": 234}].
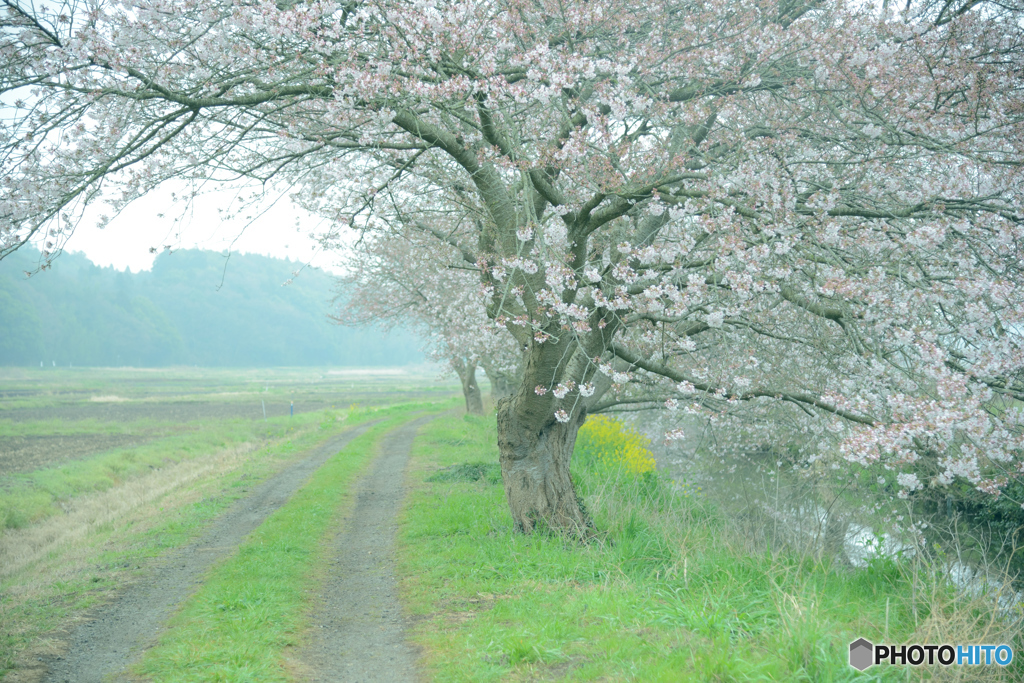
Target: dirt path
[
  {"x": 101, "y": 648},
  {"x": 358, "y": 628}
]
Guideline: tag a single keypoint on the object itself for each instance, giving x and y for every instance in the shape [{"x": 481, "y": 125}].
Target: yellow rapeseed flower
[{"x": 607, "y": 441}]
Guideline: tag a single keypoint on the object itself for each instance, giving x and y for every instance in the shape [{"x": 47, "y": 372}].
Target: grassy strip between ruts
[
  {"x": 250, "y": 608},
  {"x": 670, "y": 592}
]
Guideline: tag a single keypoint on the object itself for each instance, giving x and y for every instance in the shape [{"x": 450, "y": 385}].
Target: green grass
[
  {"x": 54, "y": 427},
  {"x": 250, "y": 607},
  {"x": 33, "y": 388},
  {"x": 669, "y": 592}
]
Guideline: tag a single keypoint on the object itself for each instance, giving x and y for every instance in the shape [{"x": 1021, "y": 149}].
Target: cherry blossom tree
[
  {"x": 401, "y": 278},
  {"x": 815, "y": 204}
]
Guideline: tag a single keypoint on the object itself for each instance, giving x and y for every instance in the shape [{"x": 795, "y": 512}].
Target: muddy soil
[
  {"x": 358, "y": 630},
  {"x": 113, "y": 636},
  {"x": 27, "y": 453}
]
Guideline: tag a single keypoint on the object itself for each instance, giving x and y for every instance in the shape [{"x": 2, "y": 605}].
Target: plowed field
[{"x": 48, "y": 416}]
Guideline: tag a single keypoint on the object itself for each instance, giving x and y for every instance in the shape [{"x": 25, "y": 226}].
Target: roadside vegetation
[{"x": 668, "y": 589}]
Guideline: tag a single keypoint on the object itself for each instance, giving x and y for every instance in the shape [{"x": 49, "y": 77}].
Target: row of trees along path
[{"x": 762, "y": 209}]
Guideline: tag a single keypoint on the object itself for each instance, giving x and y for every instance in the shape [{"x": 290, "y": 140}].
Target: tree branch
[{"x": 676, "y": 376}]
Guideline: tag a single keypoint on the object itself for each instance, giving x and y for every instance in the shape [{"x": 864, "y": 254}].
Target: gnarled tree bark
[
  {"x": 535, "y": 453},
  {"x": 466, "y": 369},
  {"x": 503, "y": 385}
]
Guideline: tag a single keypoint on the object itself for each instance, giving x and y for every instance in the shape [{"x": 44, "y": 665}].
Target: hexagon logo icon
[{"x": 861, "y": 654}]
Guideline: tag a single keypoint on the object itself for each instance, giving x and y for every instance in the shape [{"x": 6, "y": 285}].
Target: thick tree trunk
[
  {"x": 474, "y": 399},
  {"x": 502, "y": 386},
  {"x": 535, "y": 456},
  {"x": 470, "y": 389}
]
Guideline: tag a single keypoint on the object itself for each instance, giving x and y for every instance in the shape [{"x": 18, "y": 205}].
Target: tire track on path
[
  {"x": 358, "y": 631},
  {"x": 117, "y": 633}
]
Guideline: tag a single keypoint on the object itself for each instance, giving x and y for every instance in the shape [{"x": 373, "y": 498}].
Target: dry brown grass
[
  {"x": 963, "y": 619},
  {"x": 68, "y": 538}
]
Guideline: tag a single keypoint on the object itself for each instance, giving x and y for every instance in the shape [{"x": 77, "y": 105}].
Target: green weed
[{"x": 469, "y": 471}]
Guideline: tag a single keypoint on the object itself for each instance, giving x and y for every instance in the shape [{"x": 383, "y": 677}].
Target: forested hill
[{"x": 180, "y": 313}]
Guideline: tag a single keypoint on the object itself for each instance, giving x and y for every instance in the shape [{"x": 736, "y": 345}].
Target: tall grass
[{"x": 670, "y": 590}]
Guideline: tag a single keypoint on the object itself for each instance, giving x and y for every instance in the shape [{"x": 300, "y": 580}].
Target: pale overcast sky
[{"x": 126, "y": 241}]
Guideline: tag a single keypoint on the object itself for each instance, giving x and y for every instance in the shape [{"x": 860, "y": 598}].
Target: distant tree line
[{"x": 188, "y": 310}]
